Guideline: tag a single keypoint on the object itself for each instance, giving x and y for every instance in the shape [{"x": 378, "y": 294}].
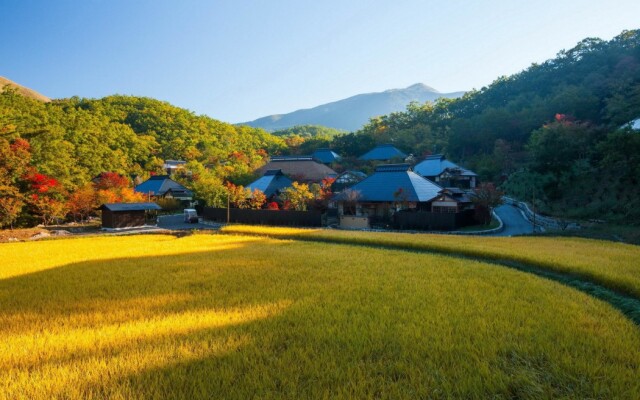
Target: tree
[
  {"x": 48, "y": 208},
  {"x": 111, "y": 180},
  {"x": 239, "y": 197},
  {"x": 297, "y": 196},
  {"x": 486, "y": 198},
  {"x": 350, "y": 198},
  {"x": 47, "y": 197},
  {"x": 11, "y": 204},
  {"x": 257, "y": 199},
  {"x": 82, "y": 202},
  {"x": 322, "y": 193}
]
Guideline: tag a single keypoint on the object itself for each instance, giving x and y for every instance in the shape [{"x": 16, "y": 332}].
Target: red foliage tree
[{"x": 111, "y": 180}]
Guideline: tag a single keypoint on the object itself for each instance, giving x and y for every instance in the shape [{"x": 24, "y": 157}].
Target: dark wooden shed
[{"x": 125, "y": 215}]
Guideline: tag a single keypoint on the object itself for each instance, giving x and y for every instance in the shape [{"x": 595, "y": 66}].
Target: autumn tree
[
  {"x": 257, "y": 199},
  {"x": 14, "y": 161},
  {"x": 46, "y": 198},
  {"x": 322, "y": 193},
  {"x": 239, "y": 196},
  {"x": 11, "y": 204},
  {"x": 82, "y": 202},
  {"x": 297, "y": 196},
  {"x": 114, "y": 188}
]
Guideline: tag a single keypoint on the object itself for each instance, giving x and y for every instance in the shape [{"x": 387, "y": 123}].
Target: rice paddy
[
  {"x": 224, "y": 316},
  {"x": 613, "y": 265}
]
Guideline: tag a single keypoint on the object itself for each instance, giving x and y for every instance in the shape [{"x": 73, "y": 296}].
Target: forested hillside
[
  {"x": 554, "y": 131},
  {"x": 66, "y": 143},
  {"x": 304, "y": 139}
]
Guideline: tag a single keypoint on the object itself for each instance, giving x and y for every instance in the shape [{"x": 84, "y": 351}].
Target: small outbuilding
[{"x": 125, "y": 215}]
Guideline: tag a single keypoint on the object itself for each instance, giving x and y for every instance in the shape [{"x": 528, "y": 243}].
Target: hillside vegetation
[
  {"x": 554, "y": 131},
  {"x": 196, "y": 317},
  {"x": 66, "y": 143}
]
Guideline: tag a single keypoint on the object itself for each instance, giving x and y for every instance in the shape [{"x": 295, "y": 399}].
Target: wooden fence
[{"x": 264, "y": 217}]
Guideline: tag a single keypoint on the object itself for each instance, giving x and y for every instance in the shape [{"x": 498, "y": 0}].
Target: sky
[{"x": 240, "y": 60}]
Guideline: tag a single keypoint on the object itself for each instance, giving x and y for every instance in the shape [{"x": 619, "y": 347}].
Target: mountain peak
[
  {"x": 423, "y": 87},
  {"x": 352, "y": 113}
]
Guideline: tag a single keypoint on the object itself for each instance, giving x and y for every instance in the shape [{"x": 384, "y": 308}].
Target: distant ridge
[
  {"x": 25, "y": 91},
  {"x": 352, "y": 113}
]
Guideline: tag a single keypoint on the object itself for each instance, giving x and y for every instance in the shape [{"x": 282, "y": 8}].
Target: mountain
[
  {"x": 25, "y": 91},
  {"x": 352, "y": 113}
]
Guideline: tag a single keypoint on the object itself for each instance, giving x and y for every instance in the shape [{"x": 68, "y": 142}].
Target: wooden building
[{"x": 125, "y": 215}]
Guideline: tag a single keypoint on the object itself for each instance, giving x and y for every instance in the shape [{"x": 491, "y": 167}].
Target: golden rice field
[
  {"x": 224, "y": 316},
  {"x": 613, "y": 265}
]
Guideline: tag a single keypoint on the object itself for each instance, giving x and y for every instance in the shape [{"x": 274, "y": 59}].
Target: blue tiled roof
[
  {"x": 325, "y": 156},
  {"x": 385, "y": 184},
  {"x": 435, "y": 164},
  {"x": 271, "y": 183},
  {"x": 383, "y": 152},
  {"x": 159, "y": 185}
]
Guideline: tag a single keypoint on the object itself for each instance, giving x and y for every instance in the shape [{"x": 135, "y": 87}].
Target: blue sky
[{"x": 240, "y": 60}]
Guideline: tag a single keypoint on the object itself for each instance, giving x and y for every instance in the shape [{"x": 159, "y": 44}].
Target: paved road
[
  {"x": 176, "y": 222},
  {"x": 514, "y": 222}
]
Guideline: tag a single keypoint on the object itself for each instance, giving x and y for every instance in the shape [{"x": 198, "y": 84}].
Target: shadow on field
[{"x": 97, "y": 322}]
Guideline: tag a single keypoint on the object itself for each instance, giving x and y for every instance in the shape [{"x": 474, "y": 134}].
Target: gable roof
[
  {"x": 325, "y": 156},
  {"x": 395, "y": 182},
  {"x": 435, "y": 164},
  {"x": 159, "y": 185},
  {"x": 346, "y": 179},
  {"x": 129, "y": 206},
  {"x": 383, "y": 152},
  {"x": 271, "y": 182},
  {"x": 303, "y": 167}
]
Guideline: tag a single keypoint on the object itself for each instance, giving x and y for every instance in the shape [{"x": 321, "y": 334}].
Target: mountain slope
[
  {"x": 24, "y": 91},
  {"x": 352, "y": 113}
]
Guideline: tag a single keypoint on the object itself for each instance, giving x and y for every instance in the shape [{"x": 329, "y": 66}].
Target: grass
[
  {"x": 615, "y": 266},
  {"x": 208, "y": 316}
]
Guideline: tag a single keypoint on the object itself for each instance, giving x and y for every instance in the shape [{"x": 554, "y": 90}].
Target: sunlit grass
[
  {"x": 614, "y": 265},
  {"x": 217, "y": 316}
]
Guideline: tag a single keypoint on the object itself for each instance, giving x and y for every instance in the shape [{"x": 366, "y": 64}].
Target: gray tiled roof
[
  {"x": 130, "y": 206},
  {"x": 435, "y": 164},
  {"x": 395, "y": 182},
  {"x": 299, "y": 168},
  {"x": 383, "y": 152},
  {"x": 159, "y": 185},
  {"x": 270, "y": 183}
]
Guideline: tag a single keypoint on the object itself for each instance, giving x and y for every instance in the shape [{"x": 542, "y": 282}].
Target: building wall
[{"x": 122, "y": 219}]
